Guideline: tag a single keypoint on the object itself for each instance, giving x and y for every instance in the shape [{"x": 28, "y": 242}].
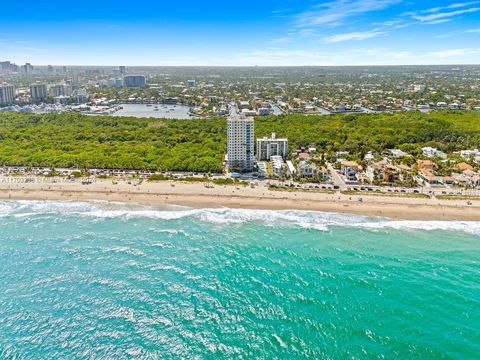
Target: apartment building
[
  {"x": 7, "y": 94},
  {"x": 240, "y": 144},
  {"x": 268, "y": 147}
]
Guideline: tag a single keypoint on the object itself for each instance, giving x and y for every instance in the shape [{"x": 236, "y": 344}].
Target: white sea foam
[{"x": 304, "y": 219}]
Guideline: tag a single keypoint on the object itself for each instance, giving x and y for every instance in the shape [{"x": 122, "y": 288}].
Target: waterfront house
[
  {"x": 349, "y": 170},
  {"x": 306, "y": 169},
  {"x": 429, "y": 178}
]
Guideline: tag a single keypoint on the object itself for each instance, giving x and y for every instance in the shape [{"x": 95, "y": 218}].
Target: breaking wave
[{"x": 304, "y": 219}]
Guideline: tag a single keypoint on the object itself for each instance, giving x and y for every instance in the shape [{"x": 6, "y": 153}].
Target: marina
[{"x": 155, "y": 111}]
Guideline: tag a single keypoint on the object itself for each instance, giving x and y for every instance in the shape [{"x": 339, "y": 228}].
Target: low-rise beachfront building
[
  {"x": 476, "y": 181},
  {"x": 387, "y": 173},
  {"x": 461, "y": 180},
  {"x": 429, "y": 178},
  {"x": 349, "y": 169},
  {"x": 306, "y": 169},
  {"x": 278, "y": 166},
  {"x": 323, "y": 173},
  {"x": 467, "y": 178},
  {"x": 375, "y": 172},
  {"x": 268, "y": 147}
]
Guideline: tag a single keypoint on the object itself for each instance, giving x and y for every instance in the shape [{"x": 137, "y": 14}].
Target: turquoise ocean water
[{"x": 103, "y": 281}]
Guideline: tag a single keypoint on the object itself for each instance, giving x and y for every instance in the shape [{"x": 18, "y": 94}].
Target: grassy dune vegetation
[{"x": 74, "y": 140}]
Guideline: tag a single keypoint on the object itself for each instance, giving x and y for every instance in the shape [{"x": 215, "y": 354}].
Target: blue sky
[{"x": 261, "y": 32}]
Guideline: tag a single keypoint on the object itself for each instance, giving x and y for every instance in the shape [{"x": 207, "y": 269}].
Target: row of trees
[
  {"x": 360, "y": 133},
  {"x": 74, "y": 140}
]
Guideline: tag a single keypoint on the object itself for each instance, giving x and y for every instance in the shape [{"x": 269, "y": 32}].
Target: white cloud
[
  {"x": 473, "y": 31},
  {"x": 353, "y": 36},
  {"x": 450, "y": 53},
  {"x": 451, "y": 6},
  {"x": 435, "y": 22},
  {"x": 376, "y": 53},
  {"x": 431, "y": 18},
  {"x": 355, "y": 56},
  {"x": 334, "y": 12}
]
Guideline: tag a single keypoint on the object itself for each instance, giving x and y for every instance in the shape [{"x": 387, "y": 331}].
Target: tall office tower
[
  {"x": 240, "y": 144},
  {"x": 122, "y": 70},
  {"x": 7, "y": 94},
  {"x": 38, "y": 92},
  {"x": 8, "y": 67},
  {"x": 27, "y": 68},
  {"x": 266, "y": 148}
]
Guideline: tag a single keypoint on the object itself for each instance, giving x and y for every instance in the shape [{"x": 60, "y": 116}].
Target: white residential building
[
  {"x": 81, "y": 96},
  {"x": 397, "y": 153},
  {"x": 369, "y": 156},
  {"x": 249, "y": 112},
  {"x": 419, "y": 88},
  {"x": 468, "y": 154},
  {"x": 61, "y": 90},
  {"x": 263, "y": 111},
  {"x": 278, "y": 165},
  {"x": 240, "y": 144},
  {"x": 306, "y": 169},
  {"x": 244, "y": 104},
  {"x": 7, "y": 94},
  {"x": 38, "y": 92},
  {"x": 431, "y": 152},
  {"x": 266, "y": 148}
]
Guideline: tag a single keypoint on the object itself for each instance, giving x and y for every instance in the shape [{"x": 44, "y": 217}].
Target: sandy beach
[{"x": 196, "y": 195}]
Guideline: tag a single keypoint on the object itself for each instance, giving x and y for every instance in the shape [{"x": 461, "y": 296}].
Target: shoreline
[{"x": 196, "y": 195}]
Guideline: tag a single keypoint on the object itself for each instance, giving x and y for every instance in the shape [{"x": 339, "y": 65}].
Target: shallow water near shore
[{"x": 103, "y": 280}]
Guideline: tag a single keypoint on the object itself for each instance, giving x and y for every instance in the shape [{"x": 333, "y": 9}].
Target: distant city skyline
[{"x": 263, "y": 33}]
